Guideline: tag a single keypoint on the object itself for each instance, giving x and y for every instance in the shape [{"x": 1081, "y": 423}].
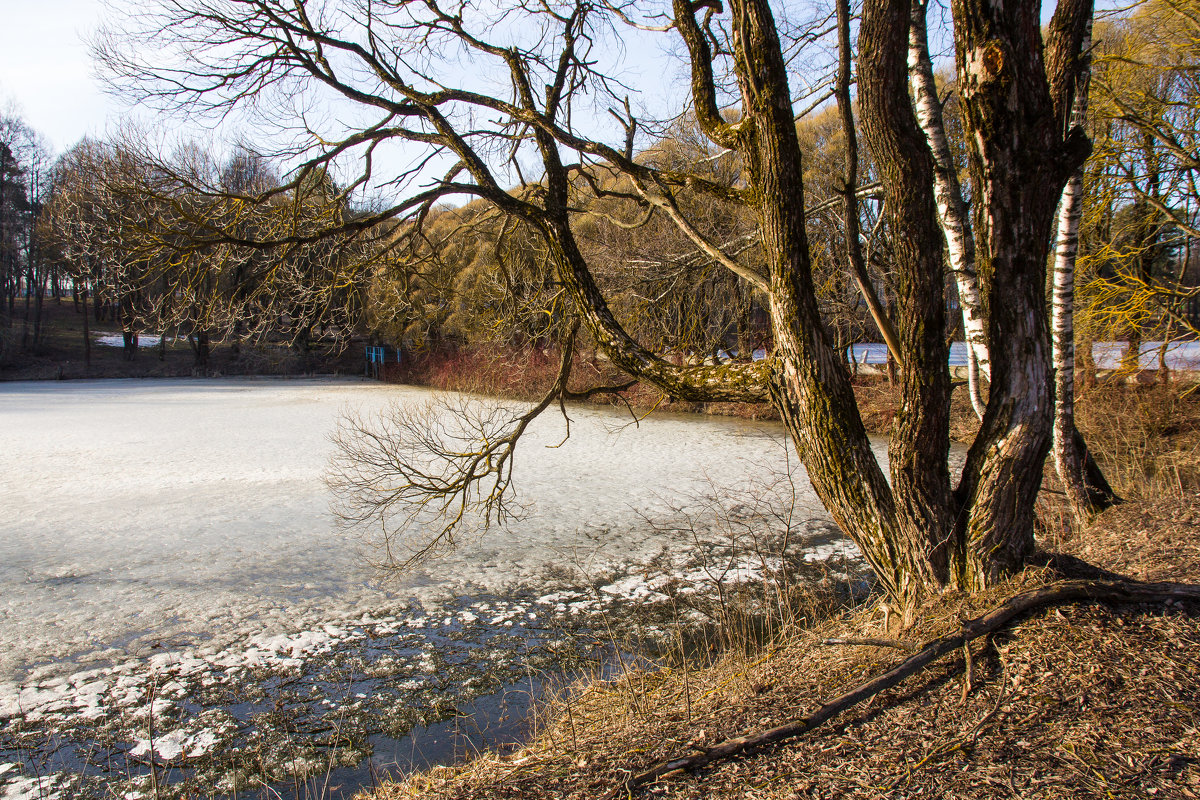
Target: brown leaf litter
[{"x": 1078, "y": 701}]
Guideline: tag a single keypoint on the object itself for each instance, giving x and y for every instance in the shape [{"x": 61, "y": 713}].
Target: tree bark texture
[
  {"x": 809, "y": 383},
  {"x": 920, "y": 443},
  {"x": 850, "y": 212},
  {"x": 1020, "y": 160},
  {"x": 952, "y": 209}
]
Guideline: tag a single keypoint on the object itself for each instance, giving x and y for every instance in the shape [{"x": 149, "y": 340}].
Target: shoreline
[{"x": 153, "y": 645}]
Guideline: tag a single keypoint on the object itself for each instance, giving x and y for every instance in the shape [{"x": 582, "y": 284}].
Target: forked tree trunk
[
  {"x": 1086, "y": 488},
  {"x": 809, "y": 383},
  {"x": 917, "y": 534},
  {"x": 952, "y": 209},
  {"x": 1017, "y": 96}
]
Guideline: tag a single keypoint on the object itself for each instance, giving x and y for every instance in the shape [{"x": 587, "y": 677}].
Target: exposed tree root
[{"x": 1107, "y": 591}]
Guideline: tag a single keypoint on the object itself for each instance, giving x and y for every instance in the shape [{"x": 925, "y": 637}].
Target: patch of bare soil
[{"x": 1081, "y": 701}]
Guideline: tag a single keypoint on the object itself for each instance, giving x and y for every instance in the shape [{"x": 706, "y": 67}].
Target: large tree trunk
[
  {"x": 808, "y": 382},
  {"x": 1015, "y": 111},
  {"x": 811, "y": 387},
  {"x": 920, "y": 443}
]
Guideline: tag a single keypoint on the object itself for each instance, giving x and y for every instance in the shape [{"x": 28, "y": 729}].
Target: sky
[
  {"x": 48, "y": 78},
  {"x": 47, "y": 75},
  {"x": 46, "y": 71}
]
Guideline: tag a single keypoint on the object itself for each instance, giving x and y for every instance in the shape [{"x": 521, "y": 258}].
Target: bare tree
[
  {"x": 177, "y": 244},
  {"x": 522, "y": 147},
  {"x": 24, "y": 271},
  {"x": 83, "y": 219}
]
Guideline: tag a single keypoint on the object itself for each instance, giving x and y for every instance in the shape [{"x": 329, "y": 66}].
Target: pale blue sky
[
  {"x": 47, "y": 75},
  {"x": 46, "y": 70}
]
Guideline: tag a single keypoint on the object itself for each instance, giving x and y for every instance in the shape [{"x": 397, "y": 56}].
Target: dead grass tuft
[
  {"x": 1086, "y": 701},
  {"x": 1146, "y": 438}
]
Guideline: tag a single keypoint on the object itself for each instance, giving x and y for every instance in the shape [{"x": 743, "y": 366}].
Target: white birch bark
[
  {"x": 1087, "y": 490},
  {"x": 1068, "y": 459},
  {"x": 952, "y": 209}
]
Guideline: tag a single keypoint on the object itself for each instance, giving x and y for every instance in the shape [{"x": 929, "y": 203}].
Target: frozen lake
[
  {"x": 146, "y": 514},
  {"x": 161, "y": 532}
]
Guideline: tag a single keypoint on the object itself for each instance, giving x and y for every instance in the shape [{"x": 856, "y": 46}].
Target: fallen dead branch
[
  {"x": 1117, "y": 592},
  {"x": 897, "y": 644}
]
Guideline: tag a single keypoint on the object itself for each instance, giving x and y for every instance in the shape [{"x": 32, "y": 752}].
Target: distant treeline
[{"x": 232, "y": 248}]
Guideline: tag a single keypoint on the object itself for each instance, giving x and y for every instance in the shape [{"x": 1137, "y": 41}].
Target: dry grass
[
  {"x": 1078, "y": 702},
  {"x": 1146, "y": 438},
  {"x": 1154, "y": 540},
  {"x": 878, "y": 401},
  {"x": 526, "y": 373}
]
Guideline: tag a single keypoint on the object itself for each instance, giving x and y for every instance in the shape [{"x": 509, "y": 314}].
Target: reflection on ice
[{"x": 144, "y": 515}]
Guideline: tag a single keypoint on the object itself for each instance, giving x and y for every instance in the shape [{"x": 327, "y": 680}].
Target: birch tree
[
  {"x": 1087, "y": 490},
  {"x": 952, "y": 208}
]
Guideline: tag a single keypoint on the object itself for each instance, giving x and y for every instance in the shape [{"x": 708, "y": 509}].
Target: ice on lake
[
  {"x": 167, "y": 554},
  {"x": 146, "y": 515}
]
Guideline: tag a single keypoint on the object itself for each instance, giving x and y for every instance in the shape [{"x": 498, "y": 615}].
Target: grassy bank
[
  {"x": 1136, "y": 430},
  {"x": 1076, "y": 700},
  {"x": 1072, "y": 701},
  {"x": 524, "y": 374}
]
